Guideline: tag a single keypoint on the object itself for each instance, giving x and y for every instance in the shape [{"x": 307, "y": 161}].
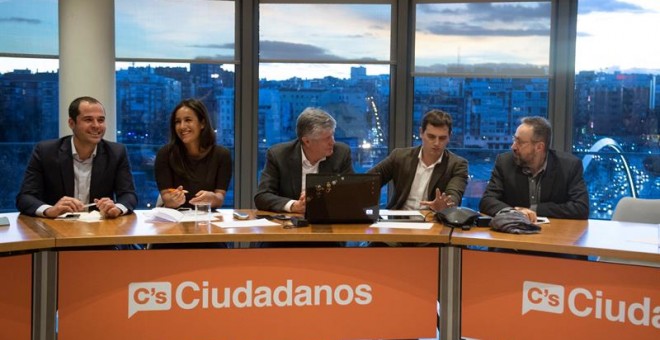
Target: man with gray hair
[
  {"x": 282, "y": 183},
  {"x": 536, "y": 180}
]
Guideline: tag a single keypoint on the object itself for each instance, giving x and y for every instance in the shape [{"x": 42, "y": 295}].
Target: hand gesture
[
  {"x": 214, "y": 198},
  {"x": 440, "y": 202}
]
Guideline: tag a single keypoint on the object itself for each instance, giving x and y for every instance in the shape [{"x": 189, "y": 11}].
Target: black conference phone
[{"x": 457, "y": 217}]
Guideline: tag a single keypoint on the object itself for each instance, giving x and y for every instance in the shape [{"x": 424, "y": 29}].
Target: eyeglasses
[{"x": 517, "y": 141}]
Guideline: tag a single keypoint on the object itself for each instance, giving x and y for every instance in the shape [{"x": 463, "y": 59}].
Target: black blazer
[
  {"x": 281, "y": 178},
  {"x": 450, "y": 176},
  {"x": 49, "y": 175},
  {"x": 563, "y": 191}
]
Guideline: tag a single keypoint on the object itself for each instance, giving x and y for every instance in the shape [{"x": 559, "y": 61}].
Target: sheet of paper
[
  {"x": 92, "y": 216},
  {"x": 403, "y": 225},
  {"x": 163, "y": 214},
  {"x": 542, "y": 220},
  {"x": 192, "y": 217},
  {"x": 172, "y": 215},
  {"x": 649, "y": 240},
  {"x": 261, "y": 222},
  {"x": 389, "y": 212}
]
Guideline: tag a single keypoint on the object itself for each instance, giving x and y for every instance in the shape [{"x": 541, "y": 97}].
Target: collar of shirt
[
  {"x": 307, "y": 164},
  {"x": 307, "y": 168},
  {"x": 74, "y": 152},
  {"x": 421, "y": 162}
]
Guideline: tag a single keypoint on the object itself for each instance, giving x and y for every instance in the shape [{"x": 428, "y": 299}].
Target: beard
[
  {"x": 524, "y": 163},
  {"x": 520, "y": 161}
]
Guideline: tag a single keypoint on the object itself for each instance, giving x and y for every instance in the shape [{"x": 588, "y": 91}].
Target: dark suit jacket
[
  {"x": 281, "y": 178},
  {"x": 49, "y": 175},
  {"x": 563, "y": 192},
  {"x": 450, "y": 176}
]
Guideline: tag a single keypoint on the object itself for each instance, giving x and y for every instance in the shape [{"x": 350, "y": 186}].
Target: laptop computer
[{"x": 349, "y": 198}]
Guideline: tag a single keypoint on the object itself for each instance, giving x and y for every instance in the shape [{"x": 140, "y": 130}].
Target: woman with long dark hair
[{"x": 191, "y": 168}]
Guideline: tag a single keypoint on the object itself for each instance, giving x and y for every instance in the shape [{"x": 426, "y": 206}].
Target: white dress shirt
[
  {"x": 307, "y": 168},
  {"x": 420, "y": 184}
]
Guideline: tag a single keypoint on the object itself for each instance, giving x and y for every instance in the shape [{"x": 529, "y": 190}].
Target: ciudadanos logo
[
  {"x": 543, "y": 297},
  {"x": 187, "y": 295},
  {"x": 588, "y": 303},
  {"x": 143, "y": 296}
]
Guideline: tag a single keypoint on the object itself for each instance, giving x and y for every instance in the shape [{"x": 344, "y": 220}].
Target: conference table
[
  {"x": 141, "y": 228},
  {"x": 338, "y": 292},
  {"x": 523, "y": 286},
  {"x": 556, "y": 285},
  {"x": 19, "y": 236}
]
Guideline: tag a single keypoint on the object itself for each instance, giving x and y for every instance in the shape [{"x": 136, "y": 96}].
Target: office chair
[{"x": 630, "y": 209}]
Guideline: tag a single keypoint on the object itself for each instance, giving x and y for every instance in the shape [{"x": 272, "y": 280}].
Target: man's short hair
[
  {"x": 313, "y": 121},
  {"x": 437, "y": 118},
  {"x": 74, "y": 107},
  {"x": 541, "y": 129}
]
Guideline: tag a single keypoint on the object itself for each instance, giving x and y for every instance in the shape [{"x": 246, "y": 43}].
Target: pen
[
  {"x": 89, "y": 205},
  {"x": 173, "y": 190}
]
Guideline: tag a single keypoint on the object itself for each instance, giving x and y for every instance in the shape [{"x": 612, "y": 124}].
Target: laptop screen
[{"x": 349, "y": 198}]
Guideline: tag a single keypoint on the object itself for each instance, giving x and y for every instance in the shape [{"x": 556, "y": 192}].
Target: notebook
[{"x": 349, "y": 198}]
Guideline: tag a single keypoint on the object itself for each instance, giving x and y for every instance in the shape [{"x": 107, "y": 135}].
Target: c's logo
[
  {"x": 149, "y": 296},
  {"x": 544, "y": 297}
]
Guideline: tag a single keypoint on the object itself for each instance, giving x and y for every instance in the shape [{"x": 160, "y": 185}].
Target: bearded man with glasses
[{"x": 536, "y": 180}]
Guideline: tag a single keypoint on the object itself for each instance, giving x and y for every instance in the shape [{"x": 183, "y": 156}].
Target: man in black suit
[
  {"x": 314, "y": 151},
  {"x": 535, "y": 180},
  {"x": 429, "y": 175},
  {"x": 66, "y": 174}
]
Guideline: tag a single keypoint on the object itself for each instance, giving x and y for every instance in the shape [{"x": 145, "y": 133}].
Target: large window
[
  {"x": 172, "y": 51},
  {"x": 616, "y": 105},
  {"x": 487, "y": 65},
  {"x": 28, "y": 87},
  {"x": 332, "y": 56}
]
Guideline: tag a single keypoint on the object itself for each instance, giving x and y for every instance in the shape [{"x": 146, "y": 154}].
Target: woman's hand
[
  {"x": 215, "y": 198},
  {"x": 173, "y": 198}
]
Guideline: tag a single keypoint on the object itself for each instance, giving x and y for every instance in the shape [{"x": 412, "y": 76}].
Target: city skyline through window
[
  {"x": 616, "y": 101},
  {"x": 616, "y": 112}
]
